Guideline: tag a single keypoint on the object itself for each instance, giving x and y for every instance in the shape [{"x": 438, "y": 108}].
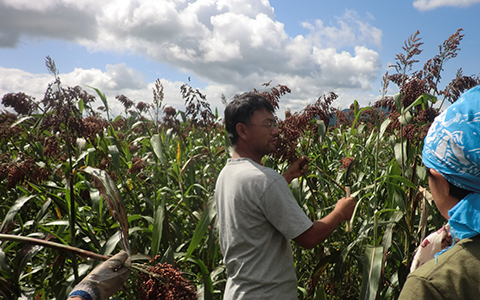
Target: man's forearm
[{"x": 320, "y": 230}]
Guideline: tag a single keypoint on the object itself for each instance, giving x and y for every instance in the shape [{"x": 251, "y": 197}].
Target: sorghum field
[{"x": 78, "y": 184}]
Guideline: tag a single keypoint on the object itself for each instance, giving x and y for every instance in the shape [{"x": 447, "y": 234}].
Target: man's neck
[{"x": 239, "y": 153}]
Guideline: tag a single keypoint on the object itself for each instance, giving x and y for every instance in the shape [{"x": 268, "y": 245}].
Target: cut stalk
[{"x": 78, "y": 251}]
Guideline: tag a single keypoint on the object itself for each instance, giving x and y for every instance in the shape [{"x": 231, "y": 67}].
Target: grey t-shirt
[{"x": 257, "y": 218}]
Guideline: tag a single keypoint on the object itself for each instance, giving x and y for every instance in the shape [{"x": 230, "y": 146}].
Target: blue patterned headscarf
[{"x": 452, "y": 147}]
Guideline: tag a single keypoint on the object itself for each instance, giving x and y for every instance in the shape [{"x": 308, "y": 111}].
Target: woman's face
[{"x": 440, "y": 190}]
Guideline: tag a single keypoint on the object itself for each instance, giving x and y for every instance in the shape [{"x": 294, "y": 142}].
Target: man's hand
[
  {"x": 345, "y": 208},
  {"x": 105, "y": 280},
  {"x": 297, "y": 169},
  {"x": 322, "y": 229}
]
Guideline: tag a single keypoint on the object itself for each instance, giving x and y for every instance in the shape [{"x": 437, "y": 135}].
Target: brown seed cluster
[
  {"x": 20, "y": 102},
  {"x": 142, "y": 106},
  {"x": 52, "y": 148},
  {"x": 169, "y": 120},
  {"x": 197, "y": 107},
  {"x": 127, "y": 103},
  {"x": 295, "y": 125},
  {"x": 346, "y": 162},
  {"x": 93, "y": 125},
  {"x": 387, "y": 103},
  {"x": 273, "y": 95},
  {"x": 6, "y": 129},
  {"x": 341, "y": 118},
  {"x": 412, "y": 89},
  {"x": 63, "y": 116},
  {"x": 27, "y": 168},
  {"x": 424, "y": 82},
  {"x": 418, "y": 129},
  {"x": 118, "y": 124},
  {"x": 174, "y": 287},
  {"x": 459, "y": 85},
  {"x": 137, "y": 166}
]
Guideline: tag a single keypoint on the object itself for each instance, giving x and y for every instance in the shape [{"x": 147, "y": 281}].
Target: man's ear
[
  {"x": 441, "y": 182},
  {"x": 241, "y": 130}
]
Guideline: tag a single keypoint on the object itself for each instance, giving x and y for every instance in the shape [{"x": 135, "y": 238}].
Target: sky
[{"x": 226, "y": 47}]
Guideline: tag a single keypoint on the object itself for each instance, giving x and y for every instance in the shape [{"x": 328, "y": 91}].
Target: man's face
[{"x": 262, "y": 132}]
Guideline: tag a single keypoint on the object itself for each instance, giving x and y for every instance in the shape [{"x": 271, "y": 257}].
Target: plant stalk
[
  {"x": 78, "y": 251},
  {"x": 58, "y": 246}
]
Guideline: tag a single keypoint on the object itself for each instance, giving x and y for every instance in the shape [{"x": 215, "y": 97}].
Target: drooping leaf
[
  {"x": 21, "y": 120},
  {"x": 358, "y": 115},
  {"x": 111, "y": 243},
  {"x": 388, "y": 234},
  {"x": 383, "y": 128},
  {"x": 106, "y": 186},
  {"x": 14, "y": 210},
  {"x": 403, "y": 180},
  {"x": 157, "y": 147},
  {"x": 104, "y": 100},
  {"x": 207, "y": 280}
]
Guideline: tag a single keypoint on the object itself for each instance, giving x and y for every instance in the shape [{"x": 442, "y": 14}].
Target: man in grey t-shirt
[{"x": 257, "y": 213}]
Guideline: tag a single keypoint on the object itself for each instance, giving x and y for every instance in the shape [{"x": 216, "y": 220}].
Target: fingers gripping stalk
[
  {"x": 105, "y": 280},
  {"x": 348, "y": 189}
]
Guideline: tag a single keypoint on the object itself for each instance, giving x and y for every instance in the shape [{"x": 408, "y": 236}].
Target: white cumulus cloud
[
  {"x": 231, "y": 45},
  {"x": 115, "y": 81},
  {"x": 432, "y": 4}
]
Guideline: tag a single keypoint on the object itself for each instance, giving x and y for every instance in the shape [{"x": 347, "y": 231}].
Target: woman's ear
[{"x": 441, "y": 182}]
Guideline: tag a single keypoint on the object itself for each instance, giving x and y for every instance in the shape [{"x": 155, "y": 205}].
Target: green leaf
[
  {"x": 81, "y": 106},
  {"x": 159, "y": 217},
  {"x": 388, "y": 234},
  {"x": 115, "y": 140},
  {"x": 400, "y": 150},
  {"x": 405, "y": 118},
  {"x": 207, "y": 216},
  {"x": 115, "y": 156},
  {"x": 402, "y": 179},
  {"x": 57, "y": 223},
  {"x": 182, "y": 114},
  {"x": 372, "y": 272},
  {"x": 383, "y": 128},
  {"x": 41, "y": 213},
  {"x": 398, "y": 101},
  {"x": 207, "y": 280},
  {"x": 106, "y": 186},
  {"x": 321, "y": 129},
  {"x": 355, "y": 107},
  {"x": 14, "y": 210},
  {"x": 25, "y": 255},
  {"x": 111, "y": 244},
  {"x": 4, "y": 266},
  {"x": 21, "y": 120},
  {"x": 157, "y": 147},
  {"x": 104, "y": 100},
  {"x": 422, "y": 99},
  {"x": 358, "y": 114}
]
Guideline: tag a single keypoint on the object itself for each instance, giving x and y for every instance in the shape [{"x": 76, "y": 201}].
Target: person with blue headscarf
[{"x": 451, "y": 155}]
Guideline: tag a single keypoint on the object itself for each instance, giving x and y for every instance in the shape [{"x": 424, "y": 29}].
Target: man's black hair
[{"x": 240, "y": 110}]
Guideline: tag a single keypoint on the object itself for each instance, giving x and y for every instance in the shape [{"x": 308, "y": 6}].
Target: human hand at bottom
[{"x": 105, "y": 280}]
